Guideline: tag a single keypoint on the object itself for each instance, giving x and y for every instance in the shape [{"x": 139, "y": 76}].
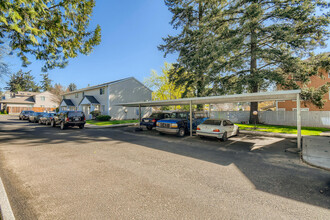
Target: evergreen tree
[
  {"x": 72, "y": 87},
  {"x": 48, "y": 30},
  {"x": 245, "y": 43},
  {"x": 46, "y": 83},
  {"x": 187, "y": 16},
  {"x": 22, "y": 81}
]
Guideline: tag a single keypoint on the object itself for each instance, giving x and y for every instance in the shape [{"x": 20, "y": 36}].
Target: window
[
  {"x": 102, "y": 91},
  {"x": 103, "y": 108},
  {"x": 76, "y": 95},
  {"x": 63, "y": 96},
  {"x": 42, "y": 106},
  {"x": 83, "y": 94},
  {"x": 42, "y": 98}
]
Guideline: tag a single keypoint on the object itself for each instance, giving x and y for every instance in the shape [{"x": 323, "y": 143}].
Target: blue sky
[{"x": 131, "y": 32}]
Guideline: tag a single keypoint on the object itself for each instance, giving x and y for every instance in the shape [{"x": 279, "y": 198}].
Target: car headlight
[{"x": 174, "y": 125}]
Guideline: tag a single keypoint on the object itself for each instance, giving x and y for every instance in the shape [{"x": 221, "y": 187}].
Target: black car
[
  {"x": 24, "y": 115},
  {"x": 151, "y": 121},
  {"x": 34, "y": 117},
  {"x": 46, "y": 118},
  {"x": 69, "y": 119}
]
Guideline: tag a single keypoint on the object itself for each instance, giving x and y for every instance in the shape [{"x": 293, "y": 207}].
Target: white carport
[{"x": 249, "y": 97}]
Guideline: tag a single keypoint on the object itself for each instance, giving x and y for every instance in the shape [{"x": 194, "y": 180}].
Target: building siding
[{"x": 316, "y": 81}]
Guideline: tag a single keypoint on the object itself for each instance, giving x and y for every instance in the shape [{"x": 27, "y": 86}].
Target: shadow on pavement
[{"x": 268, "y": 167}]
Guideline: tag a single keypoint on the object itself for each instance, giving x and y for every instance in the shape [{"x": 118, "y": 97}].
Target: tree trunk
[{"x": 254, "y": 87}]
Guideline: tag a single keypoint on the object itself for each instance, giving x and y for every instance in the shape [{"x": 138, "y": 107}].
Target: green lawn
[
  {"x": 284, "y": 129},
  {"x": 114, "y": 122}
]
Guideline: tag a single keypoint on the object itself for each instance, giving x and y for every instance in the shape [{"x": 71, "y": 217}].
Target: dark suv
[
  {"x": 24, "y": 115},
  {"x": 69, "y": 119}
]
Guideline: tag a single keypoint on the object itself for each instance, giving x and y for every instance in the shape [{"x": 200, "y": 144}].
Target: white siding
[{"x": 128, "y": 91}]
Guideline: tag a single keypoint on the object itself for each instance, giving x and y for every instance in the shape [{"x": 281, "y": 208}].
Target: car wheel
[
  {"x": 81, "y": 126},
  {"x": 149, "y": 127},
  {"x": 224, "y": 137},
  {"x": 201, "y": 137},
  {"x": 181, "y": 132},
  {"x": 161, "y": 133},
  {"x": 20, "y": 118},
  {"x": 62, "y": 125},
  {"x": 52, "y": 123}
]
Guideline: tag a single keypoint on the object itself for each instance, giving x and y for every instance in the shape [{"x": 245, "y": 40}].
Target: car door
[{"x": 229, "y": 128}]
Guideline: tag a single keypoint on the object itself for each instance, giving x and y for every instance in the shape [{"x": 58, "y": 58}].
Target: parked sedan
[
  {"x": 34, "y": 117},
  {"x": 219, "y": 128},
  {"x": 46, "y": 118},
  {"x": 24, "y": 115},
  {"x": 151, "y": 121}
]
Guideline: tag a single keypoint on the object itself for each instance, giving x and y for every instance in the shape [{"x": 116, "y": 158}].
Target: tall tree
[
  {"x": 46, "y": 83},
  {"x": 188, "y": 16},
  {"x": 58, "y": 91},
  {"x": 163, "y": 88},
  {"x": 72, "y": 87},
  {"x": 245, "y": 42},
  {"x": 22, "y": 81},
  {"x": 49, "y": 30}
]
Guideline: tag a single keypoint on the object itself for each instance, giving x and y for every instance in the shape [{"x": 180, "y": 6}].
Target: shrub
[
  {"x": 95, "y": 113},
  {"x": 103, "y": 117},
  {"x": 4, "y": 112}
]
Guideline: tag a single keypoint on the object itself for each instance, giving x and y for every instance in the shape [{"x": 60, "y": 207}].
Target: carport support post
[
  {"x": 190, "y": 118},
  {"x": 209, "y": 110},
  {"x": 139, "y": 116},
  {"x": 298, "y": 122}
]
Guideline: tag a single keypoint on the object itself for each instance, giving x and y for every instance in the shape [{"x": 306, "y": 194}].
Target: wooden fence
[{"x": 17, "y": 110}]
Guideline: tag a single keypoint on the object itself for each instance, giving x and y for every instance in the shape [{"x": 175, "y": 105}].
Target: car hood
[{"x": 172, "y": 120}]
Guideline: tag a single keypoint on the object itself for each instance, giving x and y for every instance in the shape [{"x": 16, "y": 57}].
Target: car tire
[
  {"x": 20, "y": 118},
  {"x": 149, "y": 127},
  {"x": 182, "y": 132},
  {"x": 52, "y": 123},
  {"x": 81, "y": 126},
  {"x": 224, "y": 137},
  {"x": 161, "y": 133},
  {"x": 62, "y": 125}
]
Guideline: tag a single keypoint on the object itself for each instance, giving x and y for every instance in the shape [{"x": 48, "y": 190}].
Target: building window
[
  {"x": 102, "y": 91},
  {"x": 76, "y": 95},
  {"x": 43, "y": 98},
  {"x": 42, "y": 106},
  {"x": 63, "y": 96},
  {"x": 103, "y": 108},
  {"x": 83, "y": 94}
]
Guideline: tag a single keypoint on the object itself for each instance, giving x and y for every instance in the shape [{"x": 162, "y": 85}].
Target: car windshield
[
  {"x": 156, "y": 115},
  {"x": 212, "y": 122},
  {"x": 75, "y": 114},
  {"x": 182, "y": 115}
]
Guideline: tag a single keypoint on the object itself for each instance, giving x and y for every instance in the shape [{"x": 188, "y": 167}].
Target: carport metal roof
[{"x": 249, "y": 97}]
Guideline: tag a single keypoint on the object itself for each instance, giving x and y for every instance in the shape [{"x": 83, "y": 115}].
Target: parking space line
[{"x": 5, "y": 209}]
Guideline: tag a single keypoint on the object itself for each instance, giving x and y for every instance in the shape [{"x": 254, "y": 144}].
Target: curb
[
  {"x": 268, "y": 134},
  {"x": 6, "y": 213},
  {"x": 89, "y": 126}
]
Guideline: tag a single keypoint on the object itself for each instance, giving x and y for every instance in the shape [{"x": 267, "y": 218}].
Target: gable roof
[
  {"x": 68, "y": 102},
  {"x": 91, "y": 99},
  {"x": 19, "y": 100},
  {"x": 105, "y": 84}
]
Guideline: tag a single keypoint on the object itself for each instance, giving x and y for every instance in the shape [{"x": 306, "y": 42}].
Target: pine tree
[
  {"x": 46, "y": 83},
  {"x": 22, "y": 81}
]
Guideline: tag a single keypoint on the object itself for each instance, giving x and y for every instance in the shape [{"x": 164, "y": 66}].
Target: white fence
[{"x": 308, "y": 119}]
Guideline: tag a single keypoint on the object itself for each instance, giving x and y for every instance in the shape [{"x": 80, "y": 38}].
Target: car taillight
[
  {"x": 198, "y": 128},
  {"x": 216, "y": 130},
  {"x": 67, "y": 119},
  {"x": 84, "y": 118},
  {"x": 153, "y": 120}
]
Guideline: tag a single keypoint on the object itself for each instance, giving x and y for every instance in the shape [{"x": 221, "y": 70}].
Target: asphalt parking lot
[{"x": 121, "y": 174}]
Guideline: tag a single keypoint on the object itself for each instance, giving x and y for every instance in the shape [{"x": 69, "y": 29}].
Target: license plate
[
  {"x": 76, "y": 119},
  {"x": 146, "y": 120}
]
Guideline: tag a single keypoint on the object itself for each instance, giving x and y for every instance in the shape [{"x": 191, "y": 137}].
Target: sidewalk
[{"x": 90, "y": 126}]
